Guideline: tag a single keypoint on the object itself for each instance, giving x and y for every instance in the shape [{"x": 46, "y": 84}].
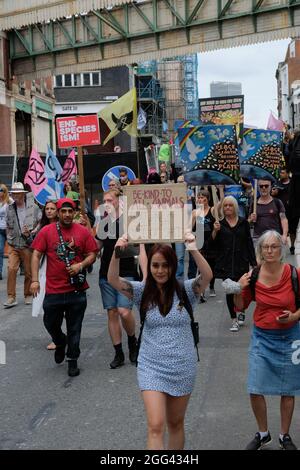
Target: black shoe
[
  {"x": 133, "y": 352},
  {"x": 286, "y": 443},
  {"x": 292, "y": 250},
  {"x": 118, "y": 360},
  {"x": 73, "y": 370},
  {"x": 1, "y": 277},
  {"x": 59, "y": 353},
  {"x": 258, "y": 443},
  {"x": 241, "y": 319}
]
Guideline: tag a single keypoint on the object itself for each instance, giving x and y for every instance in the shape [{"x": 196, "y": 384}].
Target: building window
[
  {"x": 78, "y": 79},
  {"x": 95, "y": 79},
  {"x": 293, "y": 49},
  {"x": 86, "y": 79},
  {"x": 58, "y": 80},
  {"x": 68, "y": 80}
]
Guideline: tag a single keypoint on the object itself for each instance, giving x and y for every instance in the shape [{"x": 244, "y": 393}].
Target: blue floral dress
[{"x": 167, "y": 358}]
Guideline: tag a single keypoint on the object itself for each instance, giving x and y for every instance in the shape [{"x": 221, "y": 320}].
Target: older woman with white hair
[
  {"x": 274, "y": 354},
  {"x": 234, "y": 250}
]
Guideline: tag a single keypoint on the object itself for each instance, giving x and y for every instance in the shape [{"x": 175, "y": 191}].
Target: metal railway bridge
[{"x": 50, "y": 37}]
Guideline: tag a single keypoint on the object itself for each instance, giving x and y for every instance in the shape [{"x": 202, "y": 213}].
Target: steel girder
[{"x": 140, "y": 20}]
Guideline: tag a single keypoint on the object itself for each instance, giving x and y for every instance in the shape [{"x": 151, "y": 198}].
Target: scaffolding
[
  {"x": 178, "y": 78},
  {"x": 191, "y": 86},
  {"x": 151, "y": 99},
  {"x": 167, "y": 91}
]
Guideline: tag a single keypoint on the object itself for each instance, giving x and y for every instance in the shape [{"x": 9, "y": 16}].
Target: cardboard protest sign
[
  {"x": 209, "y": 155},
  {"x": 155, "y": 213},
  {"x": 227, "y": 110},
  {"x": 261, "y": 154}
]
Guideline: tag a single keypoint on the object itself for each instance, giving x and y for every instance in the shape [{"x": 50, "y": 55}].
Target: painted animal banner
[
  {"x": 179, "y": 123},
  {"x": 209, "y": 155},
  {"x": 261, "y": 154}
]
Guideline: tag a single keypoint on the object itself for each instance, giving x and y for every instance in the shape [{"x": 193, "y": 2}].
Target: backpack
[
  {"x": 294, "y": 279},
  {"x": 183, "y": 302}
]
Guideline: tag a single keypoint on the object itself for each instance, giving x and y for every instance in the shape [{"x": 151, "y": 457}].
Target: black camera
[{"x": 79, "y": 279}]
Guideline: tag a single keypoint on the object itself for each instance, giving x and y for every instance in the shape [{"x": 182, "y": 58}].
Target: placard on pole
[{"x": 78, "y": 131}]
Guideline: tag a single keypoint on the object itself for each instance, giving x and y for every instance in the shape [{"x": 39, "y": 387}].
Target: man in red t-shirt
[{"x": 70, "y": 249}]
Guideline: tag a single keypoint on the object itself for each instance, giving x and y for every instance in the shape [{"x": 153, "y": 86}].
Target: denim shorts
[
  {"x": 274, "y": 362},
  {"x": 111, "y": 298}
]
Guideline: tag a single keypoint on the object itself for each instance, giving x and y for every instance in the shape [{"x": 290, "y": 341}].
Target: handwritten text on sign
[
  {"x": 155, "y": 213},
  {"x": 78, "y": 131}
]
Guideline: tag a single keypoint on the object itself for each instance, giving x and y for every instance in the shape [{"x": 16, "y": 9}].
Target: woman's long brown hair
[
  {"x": 44, "y": 219},
  {"x": 151, "y": 296}
]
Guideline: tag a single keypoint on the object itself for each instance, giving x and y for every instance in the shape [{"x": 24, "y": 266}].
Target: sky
[{"x": 255, "y": 67}]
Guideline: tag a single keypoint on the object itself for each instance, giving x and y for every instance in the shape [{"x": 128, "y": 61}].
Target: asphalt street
[{"x": 42, "y": 408}]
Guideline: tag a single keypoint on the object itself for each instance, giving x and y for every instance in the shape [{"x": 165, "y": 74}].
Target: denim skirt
[{"x": 274, "y": 362}]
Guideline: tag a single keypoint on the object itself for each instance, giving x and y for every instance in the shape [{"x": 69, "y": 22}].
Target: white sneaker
[
  {"x": 241, "y": 319},
  {"x": 235, "y": 326},
  {"x": 11, "y": 302},
  {"x": 28, "y": 300},
  {"x": 212, "y": 293}
]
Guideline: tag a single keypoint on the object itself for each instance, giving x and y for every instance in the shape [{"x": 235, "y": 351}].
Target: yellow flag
[{"x": 121, "y": 115}]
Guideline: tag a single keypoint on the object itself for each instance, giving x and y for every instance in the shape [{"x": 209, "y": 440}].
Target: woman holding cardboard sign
[{"x": 167, "y": 357}]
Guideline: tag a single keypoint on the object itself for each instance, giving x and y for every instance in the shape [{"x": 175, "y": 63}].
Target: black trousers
[
  {"x": 230, "y": 305},
  {"x": 72, "y": 305}
]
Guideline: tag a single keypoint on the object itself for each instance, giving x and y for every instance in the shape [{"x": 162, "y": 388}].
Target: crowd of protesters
[{"x": 60, "y": 242}]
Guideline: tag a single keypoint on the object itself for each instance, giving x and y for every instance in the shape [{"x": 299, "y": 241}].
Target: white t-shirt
[{"x": 3, "y": 209}]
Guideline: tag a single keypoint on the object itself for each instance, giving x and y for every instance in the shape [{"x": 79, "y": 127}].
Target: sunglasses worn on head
[{"x": 264, "y": 186}]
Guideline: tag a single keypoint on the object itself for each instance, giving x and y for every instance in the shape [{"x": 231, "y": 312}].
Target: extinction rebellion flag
[{"x": 121, "y": 115}]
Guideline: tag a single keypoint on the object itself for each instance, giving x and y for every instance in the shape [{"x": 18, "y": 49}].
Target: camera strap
[
  {"x": 18, "y": 222},
  {"x": 64, "y": 250}
]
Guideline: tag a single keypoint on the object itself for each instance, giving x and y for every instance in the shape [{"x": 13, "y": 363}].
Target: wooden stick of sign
[
  {"x": 216, "y": 203},
  {"x": 81, "y": 181},
  {"x": 255, "y": 197}
]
